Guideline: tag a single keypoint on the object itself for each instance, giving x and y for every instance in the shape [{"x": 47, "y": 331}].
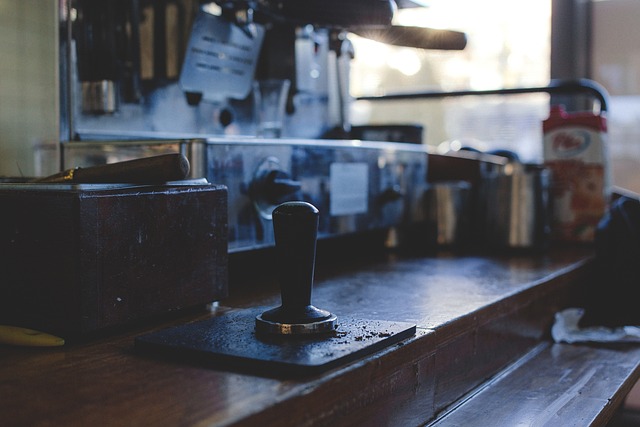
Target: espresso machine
[{"x": 147, "y": 77}]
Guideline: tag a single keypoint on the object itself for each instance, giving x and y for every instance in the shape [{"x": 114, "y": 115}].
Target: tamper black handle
[{"x": 295, "y": 226}]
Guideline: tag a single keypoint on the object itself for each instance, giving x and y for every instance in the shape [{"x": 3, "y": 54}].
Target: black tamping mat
[{"x": 230, "y": 342}]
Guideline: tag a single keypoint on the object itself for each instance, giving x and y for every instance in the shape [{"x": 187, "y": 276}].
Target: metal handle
[
  {"x": 148, "y": 170},
  {"x": 555, "y": 87}
]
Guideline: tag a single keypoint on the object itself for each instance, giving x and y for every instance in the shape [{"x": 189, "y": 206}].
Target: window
[{"x": 508, "y": 46}]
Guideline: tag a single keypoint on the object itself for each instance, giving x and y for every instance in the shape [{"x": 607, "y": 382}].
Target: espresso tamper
[
  {"x": 294, "y": 339},
  {"x": 295, "y": 226}
]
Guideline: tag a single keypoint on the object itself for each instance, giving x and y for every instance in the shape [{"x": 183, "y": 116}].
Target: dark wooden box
[{"x": 75, "y": 259}]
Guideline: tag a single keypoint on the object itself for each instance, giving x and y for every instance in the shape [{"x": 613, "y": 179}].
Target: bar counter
[{"x": 476, "y": 315}]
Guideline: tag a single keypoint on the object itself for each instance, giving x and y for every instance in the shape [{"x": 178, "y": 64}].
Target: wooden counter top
[{"x": 475, "y": 315}]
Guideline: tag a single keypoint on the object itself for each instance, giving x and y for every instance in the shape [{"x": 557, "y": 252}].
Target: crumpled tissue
[{"x": 566, "y": 329}]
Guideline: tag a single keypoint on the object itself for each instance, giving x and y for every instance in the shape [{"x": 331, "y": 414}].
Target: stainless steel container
[
  {"x": 448, "y": 213},
  {"x": 513, "y": 207}
]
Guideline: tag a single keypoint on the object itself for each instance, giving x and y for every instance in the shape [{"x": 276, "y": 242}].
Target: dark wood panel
[{"x": 80, "y": 259}]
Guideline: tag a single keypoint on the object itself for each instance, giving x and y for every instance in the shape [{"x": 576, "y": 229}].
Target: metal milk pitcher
[{"x": 513, "y": 207}]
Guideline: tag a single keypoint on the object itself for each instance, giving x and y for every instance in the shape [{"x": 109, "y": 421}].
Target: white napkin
[{"x": 566, "y": 329}]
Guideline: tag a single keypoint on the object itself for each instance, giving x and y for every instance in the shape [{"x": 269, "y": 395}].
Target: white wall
[
  {"x": 28, "y": 84},
  {"x": 616, "y": 46},
  {"x": 616, "y": 65}
]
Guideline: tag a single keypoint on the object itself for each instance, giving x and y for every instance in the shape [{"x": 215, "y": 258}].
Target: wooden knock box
[{"x": 80, "y": 258}]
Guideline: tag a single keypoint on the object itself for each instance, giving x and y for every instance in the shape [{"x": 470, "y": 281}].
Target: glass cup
[{"x": 270, "y": 98}]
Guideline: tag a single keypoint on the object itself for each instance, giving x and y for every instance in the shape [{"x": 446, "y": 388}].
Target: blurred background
[{"x": 510, "y": 44}]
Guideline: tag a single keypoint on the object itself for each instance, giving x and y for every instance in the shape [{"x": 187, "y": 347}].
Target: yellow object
[{"x": 13, "y": 335}]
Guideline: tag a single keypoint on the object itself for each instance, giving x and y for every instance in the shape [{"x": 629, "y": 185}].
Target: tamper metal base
[
  {"x": 318, "y": 327},
  {"x": 230, "y": 342}
]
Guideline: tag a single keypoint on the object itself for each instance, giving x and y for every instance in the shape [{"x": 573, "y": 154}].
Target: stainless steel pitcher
[
  {"x": 448, "y": 213},
  {"x": 513, "y": 207}
]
